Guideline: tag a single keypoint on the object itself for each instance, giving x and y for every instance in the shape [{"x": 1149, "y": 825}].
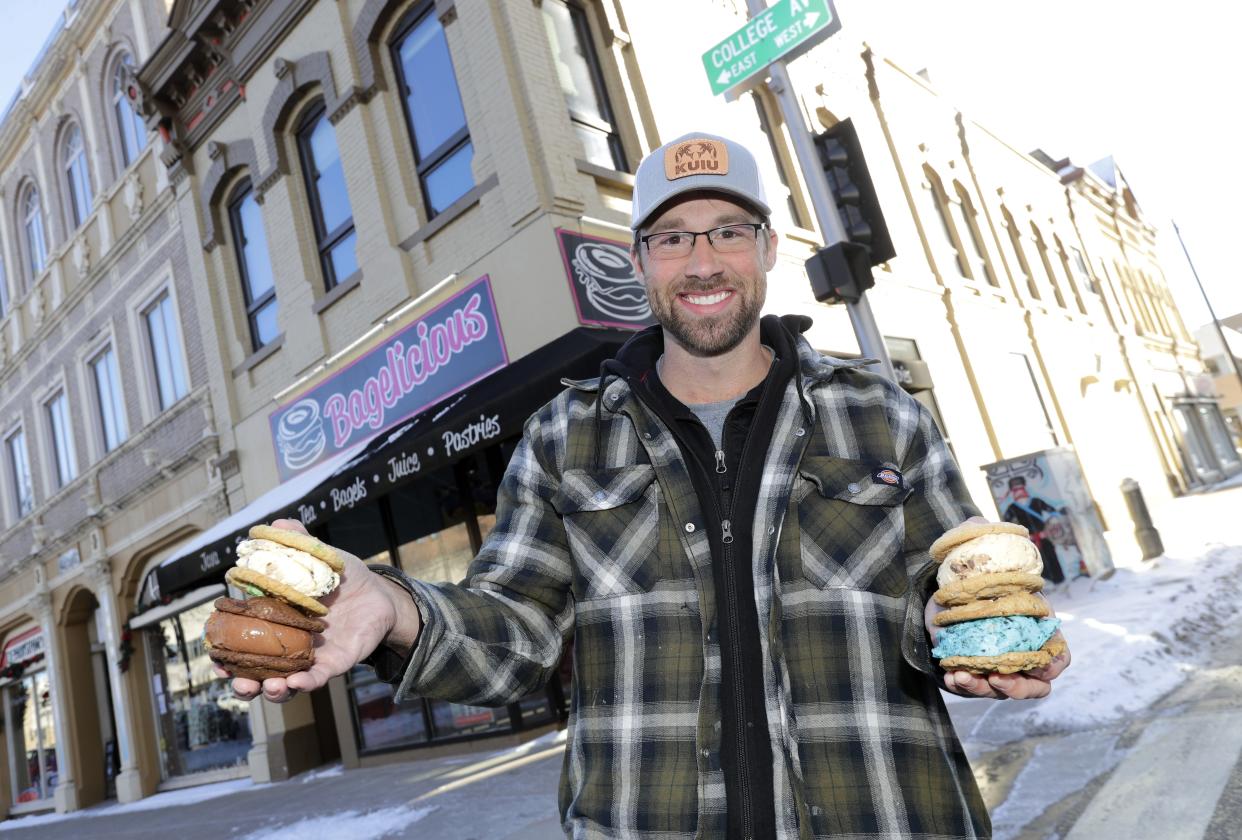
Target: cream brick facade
[
  {"x": 71, "y": 567},
  {"x": 226, "y": 82}
]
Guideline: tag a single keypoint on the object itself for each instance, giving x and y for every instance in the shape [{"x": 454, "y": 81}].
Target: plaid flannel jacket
[{"x": 599, "y": 535}]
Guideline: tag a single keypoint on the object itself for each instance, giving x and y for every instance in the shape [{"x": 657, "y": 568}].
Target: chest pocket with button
[
  {"x": 851, "y": 526},
  {"x": 612, "y": 521}
]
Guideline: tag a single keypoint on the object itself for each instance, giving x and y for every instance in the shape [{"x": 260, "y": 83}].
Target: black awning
[{"x": 492, "y": 408}]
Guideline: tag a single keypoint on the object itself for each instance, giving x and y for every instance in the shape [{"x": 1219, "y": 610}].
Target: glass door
[{"x": 32, "y": 745}]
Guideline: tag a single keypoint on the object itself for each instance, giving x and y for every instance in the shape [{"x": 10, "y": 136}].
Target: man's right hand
[{"x": 363, "y": 611}]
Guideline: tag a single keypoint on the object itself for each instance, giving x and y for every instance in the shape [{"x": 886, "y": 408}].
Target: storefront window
[
  {"x": 201, "y": 725},
  {"x": 1218, "y": 435},
  {"x": 361, "y": 532},
  {"x": 383, "y": 724},
  {"x": 433, "y": 531},
  {"x": 1200, "y": 459},
  {"x": 437, "y": 524},
  {"x": 32, "y": 751}
]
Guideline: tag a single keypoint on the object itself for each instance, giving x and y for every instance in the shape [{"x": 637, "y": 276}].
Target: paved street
[{"x": 1172, "y": 773}]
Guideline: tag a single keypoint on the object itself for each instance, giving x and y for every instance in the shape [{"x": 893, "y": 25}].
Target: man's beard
[{"x": 713, "y": 335}]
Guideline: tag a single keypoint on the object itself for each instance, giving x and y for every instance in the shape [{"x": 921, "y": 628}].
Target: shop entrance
[
  {"x": 29, "y": 725},
  {"x": 90, "y": 700}
]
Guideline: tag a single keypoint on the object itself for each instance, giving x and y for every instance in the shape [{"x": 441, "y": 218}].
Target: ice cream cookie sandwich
[{"x": 989, "y": 572}]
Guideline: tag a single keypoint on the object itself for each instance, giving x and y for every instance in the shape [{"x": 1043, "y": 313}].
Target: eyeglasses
[{"x": 728, "y": 239}]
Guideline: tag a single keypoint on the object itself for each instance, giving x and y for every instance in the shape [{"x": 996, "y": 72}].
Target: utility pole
[
  {"x": 870, "y": 340},
  {"x": 1216, "y": 323}
]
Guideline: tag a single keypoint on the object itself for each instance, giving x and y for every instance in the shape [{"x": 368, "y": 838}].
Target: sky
[
  {"x": 27, "y": 26},
  {"x": 1154, "y": 85}
]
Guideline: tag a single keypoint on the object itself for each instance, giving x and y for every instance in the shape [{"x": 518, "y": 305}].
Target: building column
[
  {"x": 283, "y": 743},
  {"x": 66, "y": 795},
  {"x": 128, "y": 783}
]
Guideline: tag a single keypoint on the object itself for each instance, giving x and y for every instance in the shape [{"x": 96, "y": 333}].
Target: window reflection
[
  {"x": 32, "y": 743},
  {"x": 202, "y": 726},
  {"x": 433, "y": 109},
  {"x": 329, "y": 199}
]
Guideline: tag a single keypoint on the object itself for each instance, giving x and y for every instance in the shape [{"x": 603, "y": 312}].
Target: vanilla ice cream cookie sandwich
[{"x": 295, "y": 567}]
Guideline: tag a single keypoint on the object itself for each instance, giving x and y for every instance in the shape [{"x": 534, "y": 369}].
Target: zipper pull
[
  {"x": 727, "y": 528},
  {"x": 720, "y": 464}
]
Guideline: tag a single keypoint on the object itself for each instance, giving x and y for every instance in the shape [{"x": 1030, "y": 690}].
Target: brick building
[{"x": 108, "y": 431}]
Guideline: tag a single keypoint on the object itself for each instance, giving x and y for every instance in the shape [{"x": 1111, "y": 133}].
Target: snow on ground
[
  {"x": 352, "y": 824},
  {"x": 1136, "y": 636},
  {"x": 322, "y": 773},
  {"x": 167, "y": 799}
]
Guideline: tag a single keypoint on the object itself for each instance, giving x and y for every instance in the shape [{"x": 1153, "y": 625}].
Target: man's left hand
[{"x": 1025, "y": 685}]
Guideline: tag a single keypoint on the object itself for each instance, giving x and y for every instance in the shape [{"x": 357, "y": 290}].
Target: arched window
[
  {"x": 963, "y": 210},
  {"x": 1042, "y": 248},
  {"x": 73, "y": 159},
  {"x": 1069, "y": 274},
  {"x": 433, "y": 109},
  {"x": 948, "y": 244},
  {"x": 329, "y": 199},
  {"x": 254, "y": 263},
  {"x": 32, "y": 224},
  {"x": 133, "y": 134},
  {"x": 1015, "y": 243}
]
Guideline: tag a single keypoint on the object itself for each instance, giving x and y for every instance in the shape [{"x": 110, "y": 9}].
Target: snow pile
[
  {"x": 355, "y": 825},
  {"x": 1135, "y": 637}
]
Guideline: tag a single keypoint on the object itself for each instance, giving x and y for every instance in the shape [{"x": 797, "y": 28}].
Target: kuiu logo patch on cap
[{"x": 696, "y": 157}]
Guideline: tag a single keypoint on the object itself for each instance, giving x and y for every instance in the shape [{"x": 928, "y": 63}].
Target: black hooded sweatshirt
[{"x": 727, "y": 484}]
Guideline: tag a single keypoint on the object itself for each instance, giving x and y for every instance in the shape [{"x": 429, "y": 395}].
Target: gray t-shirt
[{"x": 712, "y": 416}]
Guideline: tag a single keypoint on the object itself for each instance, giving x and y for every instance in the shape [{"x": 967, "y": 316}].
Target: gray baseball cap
[{"x": 696, "y": 161}]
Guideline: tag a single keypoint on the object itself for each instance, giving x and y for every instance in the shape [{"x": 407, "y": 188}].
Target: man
[
  {"x": 735, "y": 531},
  {"x": 1035, "y": 515}
]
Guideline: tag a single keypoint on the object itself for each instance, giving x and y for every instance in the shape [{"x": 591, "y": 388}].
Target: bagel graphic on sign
[
  {"x": 607, "y": 276},
  {"x": 696, "y": 157},
  {"x": 300, "y": 436}
]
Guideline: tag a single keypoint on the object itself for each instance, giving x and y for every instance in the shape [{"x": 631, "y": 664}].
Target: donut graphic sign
[
  {"x": 606, "y": 291},
  {"x": 300, "y": 435},
  {"x": 445, "y": 350}
]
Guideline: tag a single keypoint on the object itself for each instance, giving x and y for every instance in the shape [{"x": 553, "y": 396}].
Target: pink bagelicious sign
[{"x": 452, "y": 346}]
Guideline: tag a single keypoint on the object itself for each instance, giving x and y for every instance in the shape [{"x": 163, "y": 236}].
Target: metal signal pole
[
  {"x": 1215, "y": 322},
  {"x": 870, "y": 341}
]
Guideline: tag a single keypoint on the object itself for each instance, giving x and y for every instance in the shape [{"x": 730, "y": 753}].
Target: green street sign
[{"x": 786, "y": 30}]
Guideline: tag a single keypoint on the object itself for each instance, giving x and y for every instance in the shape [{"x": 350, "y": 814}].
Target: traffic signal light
[
  {"x": 841, "y": 155},
  {"x": 840, "y": 273}
]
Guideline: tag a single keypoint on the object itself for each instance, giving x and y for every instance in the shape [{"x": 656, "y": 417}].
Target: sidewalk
[{"x": 504, "y": 795}]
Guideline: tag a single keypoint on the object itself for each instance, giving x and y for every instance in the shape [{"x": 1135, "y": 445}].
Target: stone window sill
[
  {"x": 338, "y": 291},
  {"x": 259, "y": 355}
]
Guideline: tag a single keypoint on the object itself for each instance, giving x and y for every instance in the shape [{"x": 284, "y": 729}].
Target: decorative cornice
[{"x": 199, "y": 72}]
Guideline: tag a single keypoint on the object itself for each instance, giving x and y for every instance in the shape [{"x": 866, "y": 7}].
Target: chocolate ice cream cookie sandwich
[{"x": 260, "y": 637}]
